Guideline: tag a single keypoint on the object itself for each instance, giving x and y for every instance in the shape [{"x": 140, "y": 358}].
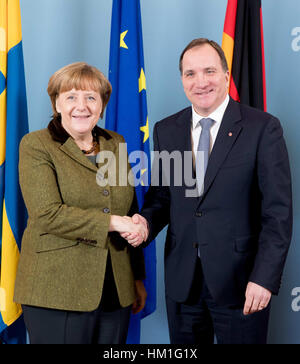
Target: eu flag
[
  {"x": 127, "y": 115},
  {"x": 13, "y": 125}
]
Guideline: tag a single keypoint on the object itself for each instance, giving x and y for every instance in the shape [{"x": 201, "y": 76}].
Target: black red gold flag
[{"x": 244, "y": 49}]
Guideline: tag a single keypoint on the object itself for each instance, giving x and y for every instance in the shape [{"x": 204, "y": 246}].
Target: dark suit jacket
[
  {"x": 66, "y": 242},
  {"x": 242, "y": 222}
]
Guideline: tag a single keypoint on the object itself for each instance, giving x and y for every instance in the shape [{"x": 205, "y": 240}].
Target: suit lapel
[
  {"x": 228, "y": 133},
  {"x": 183, "y": 141}
]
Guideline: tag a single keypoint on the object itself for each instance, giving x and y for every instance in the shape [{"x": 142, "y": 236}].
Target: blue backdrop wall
[{"x": 58, "y": 32}]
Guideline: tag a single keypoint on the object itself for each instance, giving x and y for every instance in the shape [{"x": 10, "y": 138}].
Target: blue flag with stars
[{"x": 127, "y": 115}]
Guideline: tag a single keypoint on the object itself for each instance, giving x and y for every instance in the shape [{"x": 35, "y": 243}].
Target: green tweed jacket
[{"x": 66, "y": 242}]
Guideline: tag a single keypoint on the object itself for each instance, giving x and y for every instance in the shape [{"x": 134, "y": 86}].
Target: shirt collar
[{"x": 216, "y": 115}]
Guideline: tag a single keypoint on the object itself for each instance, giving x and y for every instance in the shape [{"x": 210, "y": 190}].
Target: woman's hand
[
  {"x": 133, "y": 238},
  {"x": 141, "y": 296}
]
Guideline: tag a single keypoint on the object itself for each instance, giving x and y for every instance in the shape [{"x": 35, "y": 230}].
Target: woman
[{"x": 77, "y": 279}]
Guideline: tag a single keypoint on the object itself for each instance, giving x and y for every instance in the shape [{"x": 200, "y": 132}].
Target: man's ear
[{"x": 227, "y": 78}]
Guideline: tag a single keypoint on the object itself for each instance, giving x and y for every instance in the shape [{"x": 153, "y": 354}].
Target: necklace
[{"x": 90, "y": 150}]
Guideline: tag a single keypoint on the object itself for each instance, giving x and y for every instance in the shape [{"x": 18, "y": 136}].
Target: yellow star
[
  {"x": 142, "y": 172},
  {"x": 142, "y": 81},
  {"x": 145, "y": 130},
  {"x": 122, "y": 42}
]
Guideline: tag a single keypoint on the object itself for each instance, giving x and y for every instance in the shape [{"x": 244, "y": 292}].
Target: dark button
[
  {"x": 105, "y": 192},
  {"x": 198, "y": 213},
  {"x": 195, "y": 245},
  {"x": 82, "y": 239},
  {"x": 106, "y": 210}
]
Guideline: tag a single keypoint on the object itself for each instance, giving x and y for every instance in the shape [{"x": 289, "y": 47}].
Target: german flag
[{"x": 244, "y": 49}]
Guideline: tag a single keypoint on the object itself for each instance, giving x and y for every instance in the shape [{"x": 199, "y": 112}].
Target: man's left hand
[{"x": 257, "y": 298}]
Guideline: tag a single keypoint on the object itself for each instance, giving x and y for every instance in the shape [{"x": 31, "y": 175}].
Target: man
[{"x": 225, "y": 249}]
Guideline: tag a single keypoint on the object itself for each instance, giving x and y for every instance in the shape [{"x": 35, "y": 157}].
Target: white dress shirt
[{"x": 216, "y": 115}]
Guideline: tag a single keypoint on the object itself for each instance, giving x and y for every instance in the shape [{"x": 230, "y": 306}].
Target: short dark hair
[{"x": 200, "y": 42}]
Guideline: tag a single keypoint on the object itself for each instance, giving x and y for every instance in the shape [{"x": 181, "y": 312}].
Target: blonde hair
[{"x": 80, "y": 76}]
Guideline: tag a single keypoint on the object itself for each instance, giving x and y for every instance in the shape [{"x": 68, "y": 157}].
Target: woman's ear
[{"x": 57, "y": 105}]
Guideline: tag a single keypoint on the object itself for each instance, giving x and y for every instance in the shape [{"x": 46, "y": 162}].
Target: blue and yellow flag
[
  {"x": 127, "y": 115},
  {"x": 13, "y": 125}
]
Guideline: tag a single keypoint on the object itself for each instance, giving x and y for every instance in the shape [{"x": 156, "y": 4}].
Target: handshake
[{"x": 134, "y": 229}]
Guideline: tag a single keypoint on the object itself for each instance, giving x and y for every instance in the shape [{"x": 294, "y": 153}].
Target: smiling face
[
  {"x": 80, "y": 111},
  {"x": 204, "y": 80}
]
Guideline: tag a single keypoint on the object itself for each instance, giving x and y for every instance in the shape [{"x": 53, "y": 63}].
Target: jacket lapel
[
  {"x": 72, "y": 150},
  {"x": 183, "y": 141},
  {"x": 228, "y": 133}
]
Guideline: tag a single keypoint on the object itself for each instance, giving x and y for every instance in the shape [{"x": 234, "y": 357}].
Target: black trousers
[
  {"x": 199, "y": 320},
  {"x": 108, "y": 324},
  {"x": 46, "y": 326}
]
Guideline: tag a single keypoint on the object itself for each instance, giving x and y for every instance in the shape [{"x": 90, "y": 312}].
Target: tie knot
[{"x": 206, "y": 123}]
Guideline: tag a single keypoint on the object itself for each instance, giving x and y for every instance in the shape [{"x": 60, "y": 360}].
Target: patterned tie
[{"x": 203, "y": 153}]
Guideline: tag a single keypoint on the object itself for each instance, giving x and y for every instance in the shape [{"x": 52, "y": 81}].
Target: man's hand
[
  {"x": 141, "y": 296},
  {"x": 257, "y": 298},
  {"x": 132, "y": 238}
]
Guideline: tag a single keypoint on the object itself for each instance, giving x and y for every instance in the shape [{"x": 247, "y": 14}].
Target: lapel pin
[{"x": 230, "y": 134}]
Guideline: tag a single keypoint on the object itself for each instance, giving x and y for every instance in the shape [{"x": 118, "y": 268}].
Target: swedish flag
[
  {"x": 127, "y": 114},
  {"x": 13, "y": 125}
]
